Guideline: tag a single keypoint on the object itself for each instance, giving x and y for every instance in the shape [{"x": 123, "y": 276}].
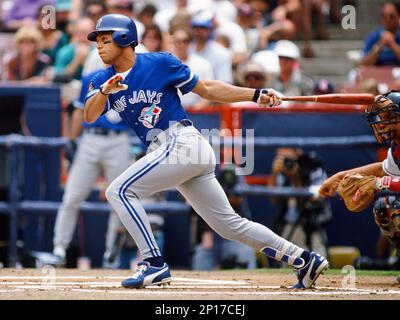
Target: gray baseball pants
[
  {"x": 96, "y": 154},
  {"x": 180, "y": 157}
]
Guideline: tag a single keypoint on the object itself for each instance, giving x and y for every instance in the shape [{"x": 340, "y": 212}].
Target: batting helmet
[
  {"x": 123, "y": 29},
  {"x": 383, "y": 115}
]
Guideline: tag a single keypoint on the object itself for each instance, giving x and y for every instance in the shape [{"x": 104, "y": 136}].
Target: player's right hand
[{"x": 113, "y": 85}]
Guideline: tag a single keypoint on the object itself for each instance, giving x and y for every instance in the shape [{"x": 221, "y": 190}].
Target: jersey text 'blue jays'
[{"x": 151, "y": 100}]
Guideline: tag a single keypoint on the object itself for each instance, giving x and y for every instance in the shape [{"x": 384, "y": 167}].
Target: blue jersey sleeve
[
  {"x": 94, "y": 81},
  {"x": 179, "y": 75}
]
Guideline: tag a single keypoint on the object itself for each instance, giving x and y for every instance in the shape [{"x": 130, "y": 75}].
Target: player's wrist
[
  {"x": 387, "y": 183},
  {"x": 257, "y": 94},
  {"x": 102, "y": 92}
]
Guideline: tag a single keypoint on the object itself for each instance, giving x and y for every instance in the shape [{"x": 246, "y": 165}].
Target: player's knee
[{"x": 112, "y": 192}]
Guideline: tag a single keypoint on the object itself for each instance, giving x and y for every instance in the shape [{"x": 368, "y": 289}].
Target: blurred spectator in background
[
  {"x": 200, "y": 66},
  {"x": 370, "y": 85},
  {"x": 27, "y": 63},
  {"x": 152, "y": 39},
  {"x": 321, "y": 9},
  {"x": 127, "y": 8},
  {"x": 246, "y": 20},
  {"x": 301, "y": 220},
  {"x": 210, "y": 250},
  {"x": 206, "y": 47},
  {"x": 23, "y": 13},
  {"x": 146, "y": 15},
  {"x": 252, "y": 75},
  {"x": 53, "y": 39},
  {"x": 63, "y": 15},
  {"x": 323, "y": 86},
  {"x": 95, "y": 9},
  {"x": 277, "y": 19},
  {"x": 381, "y": 46},
  {"x": 71, "y": 58},
  {"x": 291, "y": 81}
]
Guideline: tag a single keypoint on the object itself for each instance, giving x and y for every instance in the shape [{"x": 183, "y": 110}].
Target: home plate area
[{"x": 50, "y": 283}]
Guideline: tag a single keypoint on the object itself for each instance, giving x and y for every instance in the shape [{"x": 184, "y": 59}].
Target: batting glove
[
  {"x": 269, "y": 97},
  {"x": 113, "y": 85}
]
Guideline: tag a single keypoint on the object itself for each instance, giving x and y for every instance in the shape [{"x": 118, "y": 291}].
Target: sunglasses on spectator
[
  {"x": 184, "y": 40},
  {"x": 254, "y": 76},
  {"x": 389, "y": 16}
]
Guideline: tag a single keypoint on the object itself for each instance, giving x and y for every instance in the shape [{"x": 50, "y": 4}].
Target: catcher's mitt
[{"x": 357, "y": 191}]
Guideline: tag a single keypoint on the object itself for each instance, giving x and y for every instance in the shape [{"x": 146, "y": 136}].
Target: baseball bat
[{"x": 336, "y": 98}]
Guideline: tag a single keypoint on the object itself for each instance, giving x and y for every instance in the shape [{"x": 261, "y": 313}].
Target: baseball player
[
  {"x": 383, "y": 115},
  {"x": 104, "y": 148},
  {"x": 143, "y": 89}
]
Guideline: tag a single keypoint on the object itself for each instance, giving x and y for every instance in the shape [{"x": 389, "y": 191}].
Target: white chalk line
[
  {"x": 174, "y": 279},
  {"x": 236, "y": 293}
]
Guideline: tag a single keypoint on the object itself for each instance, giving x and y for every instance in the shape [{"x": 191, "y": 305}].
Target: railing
[{"x": 16, "y": 206}]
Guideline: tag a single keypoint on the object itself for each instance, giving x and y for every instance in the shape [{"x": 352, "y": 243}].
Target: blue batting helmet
[{"x": 123, "y": 28}]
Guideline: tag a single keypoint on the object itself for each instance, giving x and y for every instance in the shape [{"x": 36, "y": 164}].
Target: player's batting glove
[
  {"x": 113, "y": 85},
  {"x": 70, "y": 150},
  {"x": 269, "y": 97}
]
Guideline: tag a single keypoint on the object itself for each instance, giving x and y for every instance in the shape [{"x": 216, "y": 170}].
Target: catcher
[{"x": 358, "y": 186}]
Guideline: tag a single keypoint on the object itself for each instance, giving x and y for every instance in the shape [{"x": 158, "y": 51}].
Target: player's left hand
[
  {"x": 269, "y": 97},
  {"x": 113, "y": 85}
]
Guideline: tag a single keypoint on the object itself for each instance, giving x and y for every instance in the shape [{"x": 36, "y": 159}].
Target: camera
[{"x": 289, "y": 163}]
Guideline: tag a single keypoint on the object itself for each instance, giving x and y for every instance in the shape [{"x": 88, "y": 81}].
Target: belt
[
  {"x": 103, "y": 131},
  {"x": 186, "y": 122}
]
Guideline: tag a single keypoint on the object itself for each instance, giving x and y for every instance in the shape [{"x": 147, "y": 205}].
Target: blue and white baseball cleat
[
  {"x": 147, "y": 275},
  {"x": 308, "y": 274}
]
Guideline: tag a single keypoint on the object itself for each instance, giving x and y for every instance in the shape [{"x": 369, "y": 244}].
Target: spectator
[
  {"x": 203, "y": 45},
  {"x": 63, "y": 15},
  {"x": 152, "y": 39},
  {"x": 71, "y": 58},
  {"x": 252, "y": 75},
  {"x": 307, "y": 7},
  {"x": 323, "y": 86},
  {"x": 300, "y": 219},
  {"x": 275, "y": 19},
  {"x": 200, "y": 66},
  {"x": 291, "y": 81},
  {"x": 246, "y": 20},
  {"x": 235, "y": 38},
  {"x": 382, "y": 46},
  {"x": 146, "y": 15},
  {"x": 370, "y": 85},
  {"x": 24, "y": 13},
  {"x": 27, "y": 63},
  {"x": 95, "y": 9},
  {"x": 53, "y": 39}
]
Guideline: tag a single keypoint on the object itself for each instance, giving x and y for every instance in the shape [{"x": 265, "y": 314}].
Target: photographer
[{"x": 300, "y": 220}]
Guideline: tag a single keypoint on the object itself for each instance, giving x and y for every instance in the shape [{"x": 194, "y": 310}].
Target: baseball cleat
[
  {"x": 147, "y": 275},
  {"x": 308, "y": 274}
]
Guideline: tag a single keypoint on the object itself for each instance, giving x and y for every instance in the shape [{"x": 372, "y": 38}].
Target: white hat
[
  {"x": 287, "y": 49},
  {"x": 268, "y": 59}
]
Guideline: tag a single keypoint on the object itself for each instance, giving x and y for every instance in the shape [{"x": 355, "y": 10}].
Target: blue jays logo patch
[{"x": 149, "y": 116}]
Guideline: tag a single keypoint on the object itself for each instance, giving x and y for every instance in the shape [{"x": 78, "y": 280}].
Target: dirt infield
[{"x": 269, "y": 284}]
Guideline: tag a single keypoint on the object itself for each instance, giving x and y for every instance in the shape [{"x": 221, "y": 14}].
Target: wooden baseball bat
[{"x": 335, "y": 98}]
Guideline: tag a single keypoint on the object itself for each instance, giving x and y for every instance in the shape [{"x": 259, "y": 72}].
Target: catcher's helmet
[
  {"x": 383, "y": 115},
  {"x": 123, "y": 28}
]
